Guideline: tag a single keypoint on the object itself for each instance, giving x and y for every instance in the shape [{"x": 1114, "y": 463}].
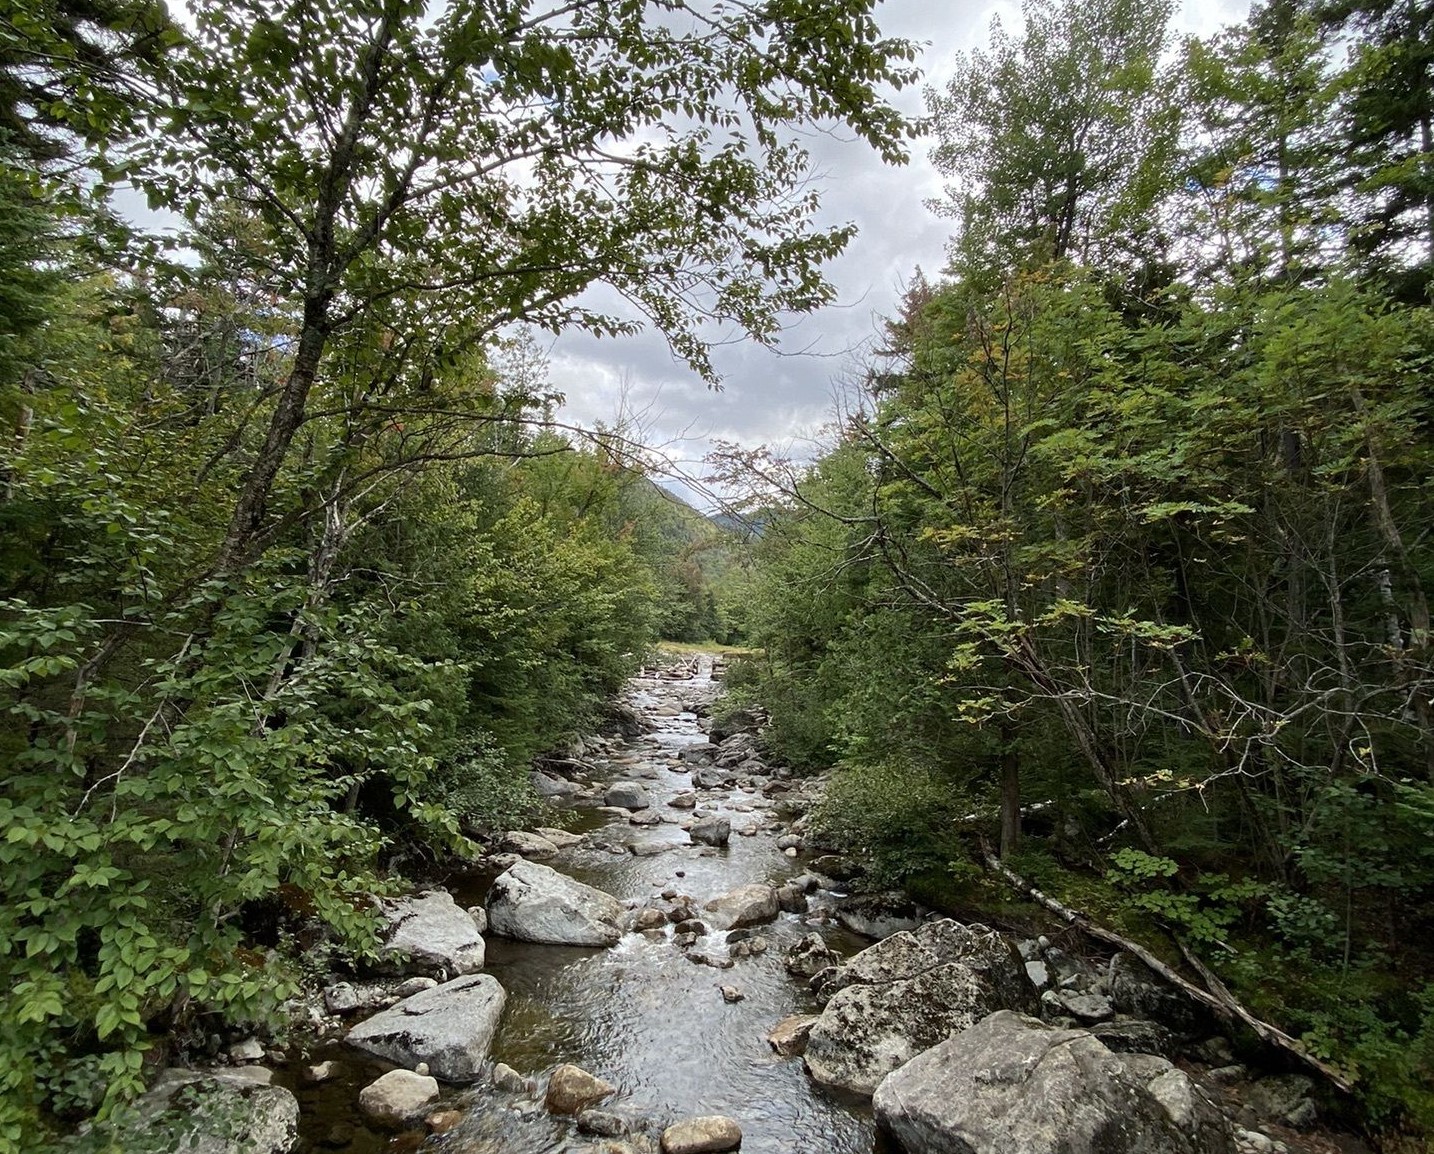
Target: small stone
[
  {"x": 507, "y": 1078},
  {"x": 421, "y": 1068},
  {"x": 692, "y": 926},
  {"x": 710, "y": 1135},
  {"x": 442, "y": 1121},
  {"x": 711, "y": 831},
  {"x": 571, "y": 1089},
  {"x": 790, "y": 852},
  {"x": 319, "y": 1072},
  {"x": 731, "y": 994},
  {"x": 648, "y": 918},
  {"x": 249, "y": 1050},
  {"x": 397, "y": 1096},
  {"x": 407, "y": 989},
  {"x": 789, "y": 1036}
]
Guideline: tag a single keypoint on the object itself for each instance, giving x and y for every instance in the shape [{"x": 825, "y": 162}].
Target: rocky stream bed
[{"x": 675, "y": 969}]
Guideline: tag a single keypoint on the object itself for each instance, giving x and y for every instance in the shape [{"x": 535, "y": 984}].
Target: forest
[
  {"x": 299, "y": 569},
  {"x": 1113, "y": 571},
  {"x": 1118, "y": 566}
]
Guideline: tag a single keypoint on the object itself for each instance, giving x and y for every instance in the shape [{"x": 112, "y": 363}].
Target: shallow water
[{"x": 641, "y": 1014}]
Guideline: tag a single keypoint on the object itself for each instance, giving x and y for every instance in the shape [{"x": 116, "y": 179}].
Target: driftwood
[{"x": 1217, "y": 997}]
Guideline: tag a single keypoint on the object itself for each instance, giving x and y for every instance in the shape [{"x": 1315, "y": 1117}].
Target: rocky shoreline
[{"x": 961, "y": 1037}]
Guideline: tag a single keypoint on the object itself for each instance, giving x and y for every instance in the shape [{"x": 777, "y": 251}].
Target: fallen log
[{"x": 1216, "y": 997}]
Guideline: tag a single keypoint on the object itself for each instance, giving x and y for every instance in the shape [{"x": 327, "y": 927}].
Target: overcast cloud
[{"x": 782, "y": 398}]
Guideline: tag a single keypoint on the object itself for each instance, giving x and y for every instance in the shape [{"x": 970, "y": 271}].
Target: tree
[{"x": 1058, "y": 141}]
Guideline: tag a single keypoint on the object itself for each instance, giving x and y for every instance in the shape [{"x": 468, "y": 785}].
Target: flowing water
[{"x": 641, "y": 1014}]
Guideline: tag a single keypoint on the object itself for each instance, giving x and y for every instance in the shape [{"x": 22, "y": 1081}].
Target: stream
[{"x": 641, "y": 1014}]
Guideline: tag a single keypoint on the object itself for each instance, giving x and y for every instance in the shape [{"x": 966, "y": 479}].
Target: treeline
[
  {"x": 297, "y": 569},
  {"x": 1123, "y": 566}
]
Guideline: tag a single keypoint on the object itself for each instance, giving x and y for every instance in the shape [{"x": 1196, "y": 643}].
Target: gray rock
[
  {"x": 626, "y": 795},
  {"x": 711, "y": 778},
  {"x": 601, "y": 1124},
  {"x": 450, "y": 1027},
  {"x": 411, "y": 986},
  {"x": 1283, "y": 1098},
  {"x": 560, "y": 837},
  {"x": 709, "y": 1135},
  {"x": 711, "y": 831},
  {"x": 749, "y": 905},
  {"x": 1036, "y": 971},
  {"x": 879, "y": 915},
  {"x": 1135, "y": 990},
  {"x": 1087, "y": 1008},
  {"x": 546, "y": 785},
  {"x": 905, "y": 994},
  {"x": 1135, "y": 1036},
  {"x": 212, "y": 1112},
  {"x": 249, "y": 1050},
  {"x": 504, "y": 1077},
  {"x": 533, "y": 903},
  {"x": 435, "y": 932},
  {"x": 342, "y": 998},
  {"x": 810, "y": 956},
  {"x": 684, "y": 801},
  {"x": 1012, "y": 1083},
  {"x": 792, "y": 898},
  {"x": 397, "y": 1096},
  {"x": 527, "y": 844}
]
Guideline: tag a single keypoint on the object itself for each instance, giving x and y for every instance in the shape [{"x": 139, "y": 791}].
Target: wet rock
[
  {"x": 790, "y": 841},
  {"x": 684, "y": 940},
  {"x": 648, "y": 918},
  {"x": 442, "y": 1121},
  {"x": 731, "y": 994},
  {"x": 710, "y": 778},
  {"x": 601, "y": 1124},
  {"x": 710, "y": 1135},
  {"x": 397, "y": 1096},
  {"x": 711, "y": 831},
  {"x": 434, "y": 932},
  {"x": 504, "y": 1077},
  {"x": 1012, "y": 1083},
  {"x": 533, "y": 903},
  {"x": 692, "y": 926},
  {"x": 699, "y": 755},
  {"x": 708, "y": 958},
  {"x": 450, "y": 1027},
  {"x": 810, "y": 956},
  {"x": 626, "y": 795},
  {"x": 319, "y": 1072},
  {"x": 748, "y": 905},
  {"x": 527, "y": 844},
  {"x": 789, "y": 1036},
  {"x": 905, "y": 994},
  {"x": 212, "y": 1112},
  {"x": 792, "y": 899},
  {"x": 750, "y": 947},
  {"x": 645, "y": 817},
  {"x": 684, "y": 801},
  {"x": 572, "y": 1089},
  {"x": 879, "y": 915}
]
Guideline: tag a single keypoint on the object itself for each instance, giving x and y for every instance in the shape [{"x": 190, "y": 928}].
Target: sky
[{"x": 783, "y": 398}]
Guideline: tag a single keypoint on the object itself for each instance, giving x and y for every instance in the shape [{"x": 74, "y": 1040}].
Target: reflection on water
[{"x": 644, "y": 1016}]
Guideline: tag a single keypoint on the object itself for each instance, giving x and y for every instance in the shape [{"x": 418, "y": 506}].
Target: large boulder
[
  {"x": 907, "y": 993},
  {"x": 1012, "y": 1083},
  {"x": 450, "y": 1027},
  {"x": 712, "y": 1134},
  {"x": 626, "y": 795},
  {"x": 435, "y": 932},
  {"x": 711, "y": 831},
  {"x": 533, "y": 903},
  {"x": 745, "y": 906},
  {"x": 572, "y": 1089},
  {"x": 212, "y": 1112}
]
